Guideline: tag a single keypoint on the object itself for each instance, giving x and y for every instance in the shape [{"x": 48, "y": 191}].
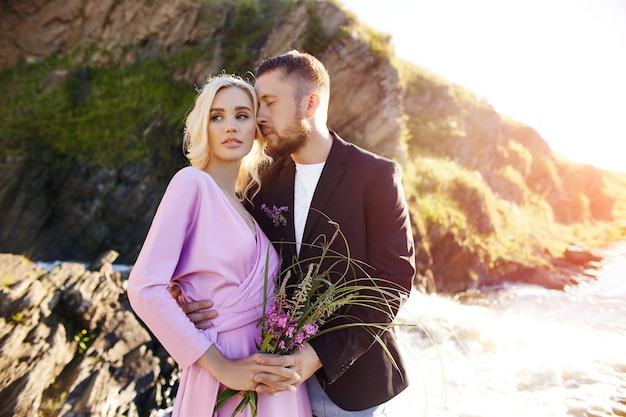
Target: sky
[{"x": 558, "y": 66}]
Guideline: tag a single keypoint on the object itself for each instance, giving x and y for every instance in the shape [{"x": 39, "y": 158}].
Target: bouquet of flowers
[{"x": 289, "y": 321}]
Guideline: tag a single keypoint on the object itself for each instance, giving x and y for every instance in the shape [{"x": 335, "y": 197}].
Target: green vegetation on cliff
[
  {"x": 109, "y": 116},
  {"x": 95, "y": 115}
]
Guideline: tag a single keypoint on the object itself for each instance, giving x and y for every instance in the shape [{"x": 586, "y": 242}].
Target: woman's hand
[
  {"x": 303, "y": 363},
  {"x": 240, "y": 374}
]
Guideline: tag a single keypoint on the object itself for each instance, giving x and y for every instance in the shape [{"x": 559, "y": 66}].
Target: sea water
[{"x": 518, "y": 350}]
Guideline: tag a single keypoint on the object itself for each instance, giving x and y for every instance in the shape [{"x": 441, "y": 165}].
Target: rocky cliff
[
  {"x": 71, "y": 188},
  {"x": 97, "y": 209}
]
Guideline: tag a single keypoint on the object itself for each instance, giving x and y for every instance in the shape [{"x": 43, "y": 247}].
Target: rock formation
[{"x": 70, "y": 345}]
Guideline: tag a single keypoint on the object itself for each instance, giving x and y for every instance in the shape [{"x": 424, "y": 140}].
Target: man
[{"x": 315, "y": 174}]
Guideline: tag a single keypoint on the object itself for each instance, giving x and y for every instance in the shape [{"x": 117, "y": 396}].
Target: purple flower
[{"x": 276, "y": 214}]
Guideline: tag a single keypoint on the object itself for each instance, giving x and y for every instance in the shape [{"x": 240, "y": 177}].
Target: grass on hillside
[
  {"x": 99, "y": 116},
  {"x": 522, "y": 232}
]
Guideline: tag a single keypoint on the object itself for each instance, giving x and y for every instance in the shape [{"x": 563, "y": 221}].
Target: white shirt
[{"x": 307, "y": 176}]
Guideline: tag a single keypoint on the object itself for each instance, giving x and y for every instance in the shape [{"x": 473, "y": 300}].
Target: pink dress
[{"x": 198, "y": 241}]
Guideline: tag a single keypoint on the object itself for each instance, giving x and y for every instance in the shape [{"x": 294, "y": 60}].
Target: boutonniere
[{"x": 276, "y": 214}]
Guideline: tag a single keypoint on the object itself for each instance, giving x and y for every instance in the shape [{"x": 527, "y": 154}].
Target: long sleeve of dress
[{"x": 156, "y": 267}]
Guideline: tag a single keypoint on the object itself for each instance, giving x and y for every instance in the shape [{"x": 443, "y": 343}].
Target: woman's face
[{"x": 232, "y": 126}]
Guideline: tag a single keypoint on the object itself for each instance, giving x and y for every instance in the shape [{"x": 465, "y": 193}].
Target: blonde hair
[{"x": 196, "y": 138}]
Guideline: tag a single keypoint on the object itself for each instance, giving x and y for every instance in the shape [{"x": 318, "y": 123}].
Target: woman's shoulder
[
  {"x": 190, "y": 173},
  {"x": 191, "y": 178}
]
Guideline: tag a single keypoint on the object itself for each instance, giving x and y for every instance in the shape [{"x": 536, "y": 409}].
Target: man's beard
[{"x": 291, "y": 141}]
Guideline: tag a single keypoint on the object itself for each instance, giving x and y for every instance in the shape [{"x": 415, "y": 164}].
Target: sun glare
[{"x": 555, "y": 65}]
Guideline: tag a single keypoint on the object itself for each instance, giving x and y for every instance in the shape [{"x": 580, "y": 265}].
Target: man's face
[{"x": 280, "y": 116}]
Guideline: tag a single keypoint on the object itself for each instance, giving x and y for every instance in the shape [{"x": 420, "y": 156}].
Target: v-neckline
[{"x": 253, "y": 226}]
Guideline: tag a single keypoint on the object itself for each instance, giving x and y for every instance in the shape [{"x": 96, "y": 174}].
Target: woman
[{"x": 204, "y": 241}]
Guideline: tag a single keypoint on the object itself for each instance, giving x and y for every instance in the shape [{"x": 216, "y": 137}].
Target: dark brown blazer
[{"x": 363, "y": 193}]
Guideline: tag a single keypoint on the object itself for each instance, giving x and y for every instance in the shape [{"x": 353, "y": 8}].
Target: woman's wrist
[{"x": 214, "y": 361}]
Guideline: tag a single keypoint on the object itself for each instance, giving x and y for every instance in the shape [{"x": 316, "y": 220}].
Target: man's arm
[{"x": 389, "y": 252}]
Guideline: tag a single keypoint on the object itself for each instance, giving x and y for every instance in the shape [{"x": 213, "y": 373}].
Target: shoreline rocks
[{"x": 70, "y": 344}]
